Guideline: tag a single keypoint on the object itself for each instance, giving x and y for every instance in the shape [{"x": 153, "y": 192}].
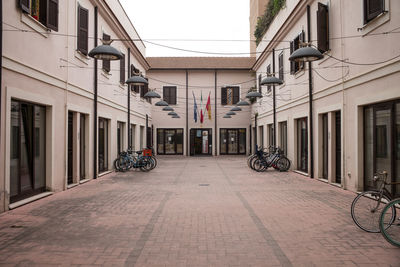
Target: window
[
  {"x": 323, "y": 28},
  {"x": 271, "y": 136},
  {"x": 302, "y": 145},
  {"x": 372, "y": 9},
  {"x": 229, "y": 95},
  {"x": 44, "y": 11},
  {"x": 283, "y": 136},
  {"x": 103, "y": 144},
  {"x": 145, "y": 89},
  {"x": 122, "y": 69},
  {"x": 170, "y": 141},
  {"x": 106, "y": 62},
  {"x": 169, "y": 94},
  {"x": 280, "y": 60},
  {"x": 232, "y": 141},
  {"x": 83, "y": 26},
  {"x": 269, "y": 75},
  {"x": 294, "y": 45},
  {"x": 134, "y": 71},
  {"x": 120, "y": 137}
]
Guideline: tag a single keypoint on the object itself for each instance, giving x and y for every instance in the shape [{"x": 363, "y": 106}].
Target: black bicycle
[{"x": 273, "y": 157}]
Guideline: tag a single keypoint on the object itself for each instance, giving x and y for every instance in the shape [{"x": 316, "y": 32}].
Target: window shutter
[
  {"x": 83, "y": 25},
  {"x": 166, "y": 95},
  {"x": 223, "y": 96},
  {"x": 292, "y": 63},
  {"x": 24, "y": 5},
  {"x": 52, "y": 15},
  {"x": 302, "y": 39},
  {"x": 236, "y": 94},
  {"x": 269, "y": 75},
  {"x": 372, "y": 9},
  {"x": 173, "y": 95},
  {"x": 281, "y": 66},
  {"x": 122, "y": 69},
  {"x": 259, "y": 83},
  {"x": 106, "y": 62},
  {"x": 323, "y": 28}
]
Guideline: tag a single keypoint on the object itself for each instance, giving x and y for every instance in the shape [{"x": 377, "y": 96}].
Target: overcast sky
[{"x": 191, "y": 19}]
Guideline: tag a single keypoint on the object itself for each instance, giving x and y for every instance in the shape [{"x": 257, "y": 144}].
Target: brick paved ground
[{"x": 193, "y": 212}]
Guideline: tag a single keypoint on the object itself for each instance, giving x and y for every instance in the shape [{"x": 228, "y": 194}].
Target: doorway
[
  {"x": 382, "y": 143},
  {"x": 70, "y": 152},
  {"x": 200, "y": 142},
  {"x": 302, "y": 145},
  {"x": 232, "y": 141}
]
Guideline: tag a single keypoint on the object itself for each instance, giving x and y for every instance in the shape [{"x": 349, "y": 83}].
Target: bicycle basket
[{"x": 147, "y": 152}]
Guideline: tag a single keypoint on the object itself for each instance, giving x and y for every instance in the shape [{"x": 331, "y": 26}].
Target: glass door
[
  {"x": 325, "y": 146},
  {"x": 233, "y": 141},
  {"x": 70, "y": 147},
  {"x": 103, "y": 145},
  {"x": 27, "y": 150},
  {"x": 338, "y": 154},
  {"x": 302, "y": 145},
  {"x": 82, "y": 147}
]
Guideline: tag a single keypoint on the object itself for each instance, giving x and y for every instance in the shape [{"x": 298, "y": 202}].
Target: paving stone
[{"x": 167, "y": 217}]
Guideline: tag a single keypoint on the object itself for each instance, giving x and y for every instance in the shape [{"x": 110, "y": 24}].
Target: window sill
[
  {"x": 83, "y": 58},
  {"x": 35, "y": 25},
  {"x": 376, "y": 22}
]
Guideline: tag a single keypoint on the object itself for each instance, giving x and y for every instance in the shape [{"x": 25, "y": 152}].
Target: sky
[{"x": 193, "y": 20}]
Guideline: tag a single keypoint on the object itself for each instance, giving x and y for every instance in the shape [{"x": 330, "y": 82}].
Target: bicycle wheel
[
  {"x": 366, "y": 209},
  {"x": 258, "y": 165},
  {"x": 283, "y": 164},
  {"x": 250, "y": 159},
  {"x": 154, "y": 161},
  {"x": 390, "y": 228}
]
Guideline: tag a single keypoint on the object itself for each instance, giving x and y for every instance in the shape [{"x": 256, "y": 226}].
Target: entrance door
[
  {"x": 338, "y": 154},
  {"x": 302, "y": 145},
  {"x": 27, "y": 150},
  {"x": 103, "y": 145},
  {"x": 232, "y": 141},
  {"x": 381, "y": 143},
  {"x": 82, "y": 147},
  {"x": 70, "y": 147},
  {"x": 325, "y": 146},
  {"x": 200, "y": 142}
]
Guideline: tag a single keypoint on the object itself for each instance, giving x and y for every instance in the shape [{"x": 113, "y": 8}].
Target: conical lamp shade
[
  {"x": 137, "y": 80},
  {"x": 151, "y": 94},
  {"x": 242, "y": 103},
  {"x": 168, "y": 108},
  {"x": 253, "y": 94},
  {"x": 306, "y": 54},
  {"x": 161, "y": 103},
  {"x": 105, "y": 52},
  {"x": 271, "y": 81}
]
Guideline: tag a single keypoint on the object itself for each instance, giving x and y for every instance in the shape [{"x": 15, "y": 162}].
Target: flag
[
  {"x": 201, "y": 108},
  {"x": 208, "y": 106},
  {"x": 195, "y": 108}
]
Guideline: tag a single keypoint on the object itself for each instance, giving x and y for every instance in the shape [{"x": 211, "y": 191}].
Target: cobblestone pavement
[{"x": 210, "y": 211}]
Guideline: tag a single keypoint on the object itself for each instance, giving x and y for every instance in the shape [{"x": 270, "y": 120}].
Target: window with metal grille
[
  {"x": 106, "y": 62},
  {"x": 294, "y": 45},
  {"x": 122, "y": 69},
  {"x": 83, "y": 25},
  {"x": 169, "y": 94},
  {"x": 372, "y": 9},
  {"x": 280, "y": 61},
  {"x": 44, "y": 11},
  {"x": 229, "y": 95}
]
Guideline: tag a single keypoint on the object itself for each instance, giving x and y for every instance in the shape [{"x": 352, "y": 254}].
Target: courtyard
[{"x": 204, "y": 211}]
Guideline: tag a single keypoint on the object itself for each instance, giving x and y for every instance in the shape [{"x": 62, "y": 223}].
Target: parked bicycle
[
  {"x": 271, "y": 157},
  {"x": 389, "y": 228},
  {"x": 366, "y": 208},
  {"x": 143, "y": 160}
]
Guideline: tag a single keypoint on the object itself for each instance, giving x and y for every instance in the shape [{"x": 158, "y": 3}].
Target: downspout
[
  {"x": 310, "y": 101},
  {"x": 95, "y": 99},
  {"x": 187, "y": 115},
  {"x": 274, "y": 97},
  {"x": 129, "y": 101},
  {"x": 215, "y": 113},
  {"x": 255, "y": 132},
  {"x": 147, "y": 132}
]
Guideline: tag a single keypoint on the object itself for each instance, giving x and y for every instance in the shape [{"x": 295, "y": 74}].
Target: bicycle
[
  {"x": 274, "y": 158},
  {"x": 367, "y": 206},
  {"x": 390, "y": 229}
]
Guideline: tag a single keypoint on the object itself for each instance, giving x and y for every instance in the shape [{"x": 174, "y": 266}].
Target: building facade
[
  {"x": 190, "y": 81},
  {"x": 48, "y": 95},
  {"x": 355, "y": 93}
]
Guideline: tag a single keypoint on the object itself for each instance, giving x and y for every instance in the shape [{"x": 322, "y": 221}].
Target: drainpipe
[
  {"x": 95, "y": 99},
  {"x": 129, "y": 101},
  {"x": 274, "y": 97},
  {"x": 215, "y": 112},
  {"x": 147, "y": 132},
  {"x": 187, "y": 115},
  {"x": 310, "y": 101}
]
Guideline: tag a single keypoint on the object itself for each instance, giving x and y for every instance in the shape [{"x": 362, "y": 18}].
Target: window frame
[
  {"x": 83, "y": 50},
  {"x": 281, "y": 66},
  {"x": 367, "y": 16},
  {"x": 167, "y": 97},
  {"x": 235, "y": 95}
]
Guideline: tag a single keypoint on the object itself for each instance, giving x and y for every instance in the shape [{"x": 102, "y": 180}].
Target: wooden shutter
[
  {"x": 83, "y": 25},
  {"x": 259, "y": 83},
  {"x": 323, "y": 28},
  {"x": 122, "y": 69},
  {"x": 372, "y": 8},
  {"x": 269, "y": 75},
  {"x": 292, "y": 63},
  {"x": 223, "y": 96},
  {"x": 173, "y": 95},
  {"x": 281, "y": 66},
  {"x": 52, "y": 15},
  {"x": 106, "y": 62},
  {"x": 166, "y": 94},
  {"x": 236, "y": 94},
  {"x": 24, "y": 5}
]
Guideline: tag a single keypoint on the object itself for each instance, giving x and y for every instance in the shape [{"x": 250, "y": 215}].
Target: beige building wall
[
  {"x": 200, "y": 81},
  {"x": 43, "y": 67},
  {"x": 257, "y": 8},
  {"x": 344, "y": 86}
]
